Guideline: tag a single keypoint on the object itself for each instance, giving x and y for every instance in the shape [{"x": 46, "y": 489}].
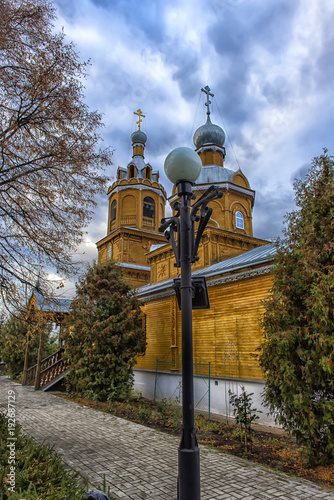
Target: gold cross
[{"x": 139, "y": 113}]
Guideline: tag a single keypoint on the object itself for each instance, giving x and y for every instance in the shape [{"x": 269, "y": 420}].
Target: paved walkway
[{"x": 138, "y": 462}]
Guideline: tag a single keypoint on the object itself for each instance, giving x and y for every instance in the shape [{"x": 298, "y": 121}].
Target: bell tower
[{"x": 136, "y": 206}]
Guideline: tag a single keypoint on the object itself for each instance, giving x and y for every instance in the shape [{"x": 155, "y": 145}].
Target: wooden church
[{"x": 236, "y": 266}]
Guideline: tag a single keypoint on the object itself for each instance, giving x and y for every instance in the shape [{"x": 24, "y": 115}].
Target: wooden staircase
[{"x": 53, "y": 368}]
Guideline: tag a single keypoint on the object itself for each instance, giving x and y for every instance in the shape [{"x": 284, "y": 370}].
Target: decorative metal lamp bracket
[{"x": 171, "y": 225}]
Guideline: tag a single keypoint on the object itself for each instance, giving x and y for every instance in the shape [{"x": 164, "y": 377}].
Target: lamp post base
[{"x": 188, "y": 481}]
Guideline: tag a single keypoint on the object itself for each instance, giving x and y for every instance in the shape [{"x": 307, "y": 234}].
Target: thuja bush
[
  {"x": 298, "y": 349},
  {"x": 13, "y": 340},
  {"x": 104, "y": 334}
]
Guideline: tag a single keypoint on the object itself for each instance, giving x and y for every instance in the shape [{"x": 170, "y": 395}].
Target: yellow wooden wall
[
  {"x": 234, "y": 315},
  {"x": 160, "y": 326}
]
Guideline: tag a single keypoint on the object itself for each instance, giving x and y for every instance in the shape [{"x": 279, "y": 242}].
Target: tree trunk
[
  {"x": 26, "y": 361},
  {"x": 39, "y": 360}
]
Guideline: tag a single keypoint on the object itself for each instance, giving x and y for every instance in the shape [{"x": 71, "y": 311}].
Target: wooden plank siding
[
  {"x": 233, "y": 317},
  {"x": 159, "y": 331}
]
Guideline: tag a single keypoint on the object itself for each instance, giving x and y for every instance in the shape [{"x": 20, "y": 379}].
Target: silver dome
[
  {"x": 138, "y": 136},
  {"x": 209, "y": 134}
]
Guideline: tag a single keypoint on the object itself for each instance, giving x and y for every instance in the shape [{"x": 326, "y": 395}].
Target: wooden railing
[
  {"x": 51, "y": 367},
  {"x": 128, "y": 220},
  {"x": 31, "y": 374},
  {"x": 131, "y": 220},
  {"x": 147, "y": 222}
]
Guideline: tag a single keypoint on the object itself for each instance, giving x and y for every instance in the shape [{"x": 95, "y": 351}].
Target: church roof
[
  {"x": 215, "y": 173},
  {"x": 261, "y": 255},
  {"x": 139, "y": 162},
  {"x": 52, "y": 305},
  {"x": 209, "y": 134}
]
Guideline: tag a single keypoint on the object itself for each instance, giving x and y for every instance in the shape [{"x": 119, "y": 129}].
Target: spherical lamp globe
[{"x": 182, "y": 164}]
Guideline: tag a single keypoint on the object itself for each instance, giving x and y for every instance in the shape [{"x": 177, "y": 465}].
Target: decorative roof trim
[
  {"x": 259, "y": 271},
  {"x": 251, "y": 273},
  {"x": 222, "y": 185},
  {"x": 209, "y": 147},
  {"x": 133, "y": 266},
  {"x": 140, "y": 186},
  {"x": 126, "y": 229},
  {"x": 227, "y": 185},
  {"x": 155, "y": 296}
]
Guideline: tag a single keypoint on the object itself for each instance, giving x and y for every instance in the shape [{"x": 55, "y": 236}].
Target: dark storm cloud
[
  {"x": 270, "y": 210},
  {"x": 235, "y": 37},
  {"x": 111, "y": 139},
  {"x": 112, "y": 83},
  {"x": 245, "y": 25},
  {"x": 186, "y": 75},
  {"x": 160, "y": 139},
  {"x": 229, "y": 38},
  {"x": 231, "y": 96},
  {"x": 274, "y": 25},
  {"x": 300, "y": 172},
  {"x": 145, "y": 16},
  {"x": 277, "y": 90},
  {"x": 325, "y": 61}
]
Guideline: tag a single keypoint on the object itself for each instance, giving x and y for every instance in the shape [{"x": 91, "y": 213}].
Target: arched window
[
  {"x": 113, "y": 211},
  {"x": 109, "y": 252},
  {"x": 239, "y": 220},
  {"x": 147, "y": 173},
  {"x": 132, "y": 171},
  {"x": 148, "y": 207}
]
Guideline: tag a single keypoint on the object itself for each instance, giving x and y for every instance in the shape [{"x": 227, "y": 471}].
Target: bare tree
[{"x": 50, "y": 155}]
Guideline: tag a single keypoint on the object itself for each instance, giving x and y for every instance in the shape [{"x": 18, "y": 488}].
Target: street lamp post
[{"x": 183, "y": 167}]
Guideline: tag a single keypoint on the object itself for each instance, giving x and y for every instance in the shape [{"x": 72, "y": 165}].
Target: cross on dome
[
  {"x": 210, "y": 134},
  {"x": 208, "y": 93},
  {"x": 139, "y": 113}
]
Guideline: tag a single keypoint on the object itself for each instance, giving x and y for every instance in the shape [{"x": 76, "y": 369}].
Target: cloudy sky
[{"x": 270, "y": 65}]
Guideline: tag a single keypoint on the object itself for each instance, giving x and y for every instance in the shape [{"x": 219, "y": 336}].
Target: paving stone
[{"x": 139, "y": 463}]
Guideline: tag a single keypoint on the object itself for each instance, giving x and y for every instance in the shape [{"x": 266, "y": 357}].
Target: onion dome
[
  {"x": 138, "y": 137},
  {"x": 209, "y": 134}
]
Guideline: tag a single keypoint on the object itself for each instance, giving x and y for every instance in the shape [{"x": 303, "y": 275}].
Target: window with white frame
[{"x": 239, "y": 220}]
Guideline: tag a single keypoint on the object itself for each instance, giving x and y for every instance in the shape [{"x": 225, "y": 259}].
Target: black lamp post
[{"x": 183, "y": 167}]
